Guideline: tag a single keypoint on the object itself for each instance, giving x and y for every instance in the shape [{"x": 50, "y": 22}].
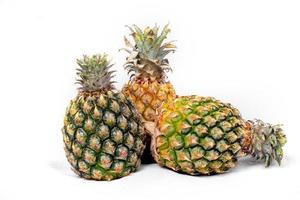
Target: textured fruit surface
[
  {"x": 102, "y": 136},
  {"x": 198, "y": 135},
  {"x": 148, "y": 96}
]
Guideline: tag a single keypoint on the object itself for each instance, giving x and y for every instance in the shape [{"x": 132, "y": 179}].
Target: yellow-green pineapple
[
  {"x": 201, "y": 135},
  {"x": 102, "y": 131}
]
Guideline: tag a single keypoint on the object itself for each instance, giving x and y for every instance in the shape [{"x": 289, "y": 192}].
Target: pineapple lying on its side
[
  {"x": 147, "y": 64},
  {"x": 201, "y": 135},
  {"x": 102, "y": 131}
]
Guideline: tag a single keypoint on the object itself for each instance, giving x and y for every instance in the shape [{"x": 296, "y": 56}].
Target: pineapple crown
[
  {"x": 265, "y": 141},
  {"x": 94, "y": 73},
  {"x": 147, "y": 54}
]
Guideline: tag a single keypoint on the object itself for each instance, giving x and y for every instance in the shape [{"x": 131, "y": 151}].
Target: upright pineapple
[
  {"x": 201, "y": 135},
  {"x": 147, "y": 64},
  {"x": 102, "y": 131}
]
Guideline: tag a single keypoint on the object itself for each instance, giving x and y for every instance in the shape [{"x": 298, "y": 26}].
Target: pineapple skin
[
  {"x": 198, "y": 136},
  {"x": 148, "y": 95},
  {"x": 102, "y": 135}
]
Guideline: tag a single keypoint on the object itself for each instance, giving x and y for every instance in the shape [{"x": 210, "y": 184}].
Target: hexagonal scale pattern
[
  {"x": 102, "y": 136},
  {"x": 199, "y": 135}
]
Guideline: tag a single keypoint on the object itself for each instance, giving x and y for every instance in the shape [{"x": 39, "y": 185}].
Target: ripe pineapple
[
  {"x": 201, "y": 135},
  {"x": 147, "y": 64},
  {"x": 102, "y": 131}
]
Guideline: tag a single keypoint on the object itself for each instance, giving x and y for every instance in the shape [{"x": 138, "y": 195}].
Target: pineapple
[
  {"x": 102, "y": 130},
  {"x": 147, "y": 64},
  {"x": 201, "y": 135}
]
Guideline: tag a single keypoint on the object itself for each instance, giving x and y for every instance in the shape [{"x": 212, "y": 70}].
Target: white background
[{"x": 243, "y": 52}]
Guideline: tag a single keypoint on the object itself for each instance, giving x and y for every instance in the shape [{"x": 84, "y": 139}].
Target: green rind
[
  {"x": 208, "y": 144},
  {"x": 99, "y": 149}
]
